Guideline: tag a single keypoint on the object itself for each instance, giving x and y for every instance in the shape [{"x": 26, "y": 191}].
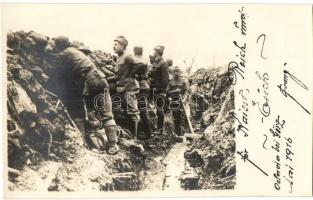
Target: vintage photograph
[{"x": 119, "y": 98}]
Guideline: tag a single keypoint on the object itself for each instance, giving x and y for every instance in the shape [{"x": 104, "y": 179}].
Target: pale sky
[{"x": 202, "y": 32}]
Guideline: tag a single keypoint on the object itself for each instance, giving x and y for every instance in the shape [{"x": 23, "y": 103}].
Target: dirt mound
[{"x": 213, "y": 154}]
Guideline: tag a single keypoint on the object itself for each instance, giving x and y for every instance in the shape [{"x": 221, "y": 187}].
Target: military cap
[
  {"x": 62, "y": 41},
  {"x": 159, "y": 49},
  {"x": 138, "y": 50},
  {"x": 122, "y": 40},
  {"x": 169, "y": 62},
  {"x": 177, "y": 71}
]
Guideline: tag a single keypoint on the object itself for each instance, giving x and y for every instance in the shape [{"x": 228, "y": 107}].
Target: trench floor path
[{"x": 164, "y": 172}]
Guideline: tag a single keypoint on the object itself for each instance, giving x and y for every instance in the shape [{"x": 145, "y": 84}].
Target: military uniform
[
  {"x": 142, "y": 78},
  {"x": 170, "y": 67},
  {"x": 127, "y": 87},
  {"x": 177, "y": 90},
  {"x": 76, "y": 64},
  {"x": 159, "y": 77},
  {"x": 198, "y": 97}
]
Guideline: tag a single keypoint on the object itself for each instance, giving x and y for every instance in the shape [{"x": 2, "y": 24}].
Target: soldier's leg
[
  {"x": 143, "y": 108},
  {"x": 176, "y": 113},
  {"x": 109, "y": 124},
  {"x": 132, "y": 111},
  {"x": 98, "y": 87},
  {"x": 160, "y": 103},
  {"x": 199, "y": 108}
]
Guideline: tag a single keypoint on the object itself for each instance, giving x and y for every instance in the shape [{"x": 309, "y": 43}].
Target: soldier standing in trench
[
  {"x": 198, "y": 96},
  {"x": 143, "y": 92},
  {"x": 159, "y": 77},
  {"x": 126, "y": 84},
  {"x": 74, "y": 63},
  {"x": 177, "y": 90}
]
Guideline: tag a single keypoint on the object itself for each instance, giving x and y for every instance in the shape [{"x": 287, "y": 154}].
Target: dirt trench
[
  {"x": 100, "y": 172},
  {"x": 70, "y": 165},
  {"x": 164, "y": 172}
]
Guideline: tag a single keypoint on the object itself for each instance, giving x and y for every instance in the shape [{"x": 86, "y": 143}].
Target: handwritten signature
[{"x": 283, "y": 87}]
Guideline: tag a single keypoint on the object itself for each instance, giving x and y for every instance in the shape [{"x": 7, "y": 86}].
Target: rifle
[
  {"x": 188, "y": 120},
  {"x": 64, "y": 108}
]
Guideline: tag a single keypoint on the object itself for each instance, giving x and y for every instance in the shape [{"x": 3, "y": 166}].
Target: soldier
[
  {"x": 177, "y": 90},
  {"x": 96, "y": 96},
  {"x": 159, "y": 76},
  {"x": 198, "y": 96},
  {"x": 126, "y": 84},
  {"x": 143, "y": 93}
]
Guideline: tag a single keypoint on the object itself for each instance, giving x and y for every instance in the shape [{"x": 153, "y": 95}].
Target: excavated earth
[{"x": 204, "y": 160}]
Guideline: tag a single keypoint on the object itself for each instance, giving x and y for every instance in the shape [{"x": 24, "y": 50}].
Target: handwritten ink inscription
[
  {"x": 275, "y": 138},
  {"x": 283, "y": 155},
  {"x": 263, "y": 105},
  {"x": 276, "y": 131},
  {"x": 238, "y": 67},
  {"x": 283, "y": 88},
  {"x": 289, "y": 154},
  {"x": 243, "y": 117},
  {"x": 243, "y": 23},
  {"x": 262, "y": 38}
]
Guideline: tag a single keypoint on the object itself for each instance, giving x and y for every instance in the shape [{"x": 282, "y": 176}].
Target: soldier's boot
[
  {"x": 178, "y": 130},
  {"x": 178, "y": 133},
  {"x": 133, "y": 126},
  {"x": 144, "y": 120},
  {"x": 111, "y": 133}
]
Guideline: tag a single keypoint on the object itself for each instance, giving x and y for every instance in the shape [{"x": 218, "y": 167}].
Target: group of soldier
[{"x": 136, "y": 81}]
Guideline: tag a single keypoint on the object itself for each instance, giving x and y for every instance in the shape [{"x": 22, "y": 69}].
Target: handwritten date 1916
[{"x": 289, "y": 158}]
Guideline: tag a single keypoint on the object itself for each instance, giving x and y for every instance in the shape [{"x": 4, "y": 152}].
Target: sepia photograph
[
  {"x": 125, "y": 99},
  {"x": 119, "y": 98}
]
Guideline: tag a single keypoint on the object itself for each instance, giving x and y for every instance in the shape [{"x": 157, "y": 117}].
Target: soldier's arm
[
  {"x": 133, "y": 62},
  {"x": 139, "y": 66},
  {"x": 60, "y": 59},
  {"x": 129, "y": 59},
  {"x": 107, "y": 72},
  {"x": 168, "y": 89},
  {"x": 164, "y": 75},
  {"x": 186, "y": 91}
]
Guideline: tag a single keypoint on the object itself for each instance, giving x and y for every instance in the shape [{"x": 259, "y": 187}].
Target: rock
[
  {"x": 125, "y": 181},
  {"x": 189, "y": 180},
  {"x": 194, "y": 157},
  {"x": 19, "y": 98},
  {"x": 13, "y": 172},
  {"x": 129, "y": 143}
]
